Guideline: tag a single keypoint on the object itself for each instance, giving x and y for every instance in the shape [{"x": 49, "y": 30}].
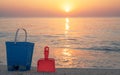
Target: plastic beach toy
[
  {"x": 46, "y": 64},
  {"x": 19, "y": 54}
]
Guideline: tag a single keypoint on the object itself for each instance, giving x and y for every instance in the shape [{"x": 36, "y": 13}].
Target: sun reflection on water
[
  {"x": 66, "y": 52},
  {"x": 68, "y": 58},
  {"x": 67, "y": 20},
  {"x": 67, "y": 26}
]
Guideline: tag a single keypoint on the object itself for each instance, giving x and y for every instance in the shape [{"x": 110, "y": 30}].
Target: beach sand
[{"x": 62, "y": 71}]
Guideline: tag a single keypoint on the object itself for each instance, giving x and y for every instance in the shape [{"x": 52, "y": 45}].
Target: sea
[{"x": 79, "y": 42}]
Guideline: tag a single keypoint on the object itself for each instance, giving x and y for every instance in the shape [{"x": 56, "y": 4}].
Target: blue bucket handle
[{"x": 17, "y": 34}]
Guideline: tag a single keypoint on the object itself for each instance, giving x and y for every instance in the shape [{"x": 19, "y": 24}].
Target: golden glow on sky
[{"x": 59, "y": 7}]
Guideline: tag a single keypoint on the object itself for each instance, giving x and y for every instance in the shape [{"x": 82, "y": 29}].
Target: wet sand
[{"x": 62, "y": 71}]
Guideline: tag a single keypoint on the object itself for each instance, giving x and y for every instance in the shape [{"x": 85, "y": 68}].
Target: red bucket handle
[{"x": 46, "y": 52}]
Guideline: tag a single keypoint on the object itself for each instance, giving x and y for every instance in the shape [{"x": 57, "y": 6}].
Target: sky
[{"x": 59, "y": 8}]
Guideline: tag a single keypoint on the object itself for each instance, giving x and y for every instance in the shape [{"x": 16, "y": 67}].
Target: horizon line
[{"x": 59, "y": 17}]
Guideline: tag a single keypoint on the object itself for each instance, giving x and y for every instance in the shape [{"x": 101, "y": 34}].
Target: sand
[{"x": 62, "y": 71}]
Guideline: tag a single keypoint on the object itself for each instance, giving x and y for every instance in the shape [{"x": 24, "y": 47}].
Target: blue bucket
[{"x": 19, "y": 54}]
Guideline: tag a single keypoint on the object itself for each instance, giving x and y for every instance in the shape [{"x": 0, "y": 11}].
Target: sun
[{"x": 67, "y": 9}]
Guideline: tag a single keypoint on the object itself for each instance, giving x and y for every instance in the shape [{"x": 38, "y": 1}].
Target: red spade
[{"x": 46, "y": 64}]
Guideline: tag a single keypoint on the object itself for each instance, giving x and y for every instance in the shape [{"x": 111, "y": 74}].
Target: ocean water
[{"x": 73, "y": 42}]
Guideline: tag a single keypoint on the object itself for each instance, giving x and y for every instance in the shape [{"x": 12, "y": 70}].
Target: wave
[
  {"x": 2, "y": 34},
  {"x": 103, "y": 48},
  {"x": 60, "y": 41}
]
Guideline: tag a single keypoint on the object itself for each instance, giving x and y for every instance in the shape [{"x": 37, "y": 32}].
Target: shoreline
[
  {"x": 62, "y": 71},
  {"x": 70, "y": 58}
]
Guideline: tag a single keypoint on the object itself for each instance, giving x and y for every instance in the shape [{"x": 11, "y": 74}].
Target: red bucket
[{"x": 46, "y": 64}]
